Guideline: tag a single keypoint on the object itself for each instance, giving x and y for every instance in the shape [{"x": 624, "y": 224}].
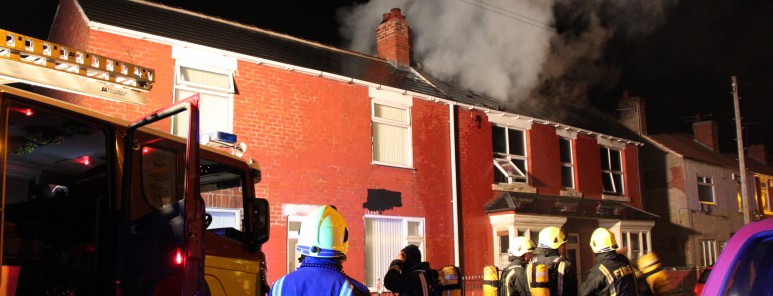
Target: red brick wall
[
  {"x": 588, "y": 166},
  {"x": 476, "y": 175},
  {"x": 545, "y": 159},
  {"x": 631, "y": 171}
]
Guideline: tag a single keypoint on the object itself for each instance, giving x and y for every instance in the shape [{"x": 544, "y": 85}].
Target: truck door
[{"x": 160, "y": 244}]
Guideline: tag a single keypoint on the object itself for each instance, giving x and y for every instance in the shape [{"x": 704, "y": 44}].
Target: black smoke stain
[{"x": 380, "y": 200}]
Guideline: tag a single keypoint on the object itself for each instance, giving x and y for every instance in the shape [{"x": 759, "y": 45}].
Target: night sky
[{"x": 682, "y": 68}]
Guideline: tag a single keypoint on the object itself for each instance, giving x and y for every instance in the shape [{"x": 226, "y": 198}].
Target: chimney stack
[
  {"x": 633, "y": 113},
  {"x": 393, "y": 38},
  {"x": 706, "y": 133},
  {"x": 758, "y": 153}
]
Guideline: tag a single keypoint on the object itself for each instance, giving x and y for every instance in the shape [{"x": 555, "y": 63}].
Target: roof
[
  {"x": 199, "y": 29},
  {"x": 529, "y": 203},
  {"x": 684, "y": 145},
  {"x": 185, "y": 26}
]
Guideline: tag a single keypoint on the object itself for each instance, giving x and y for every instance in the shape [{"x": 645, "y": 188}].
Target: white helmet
[
  {"x": 323, "y": 234},
  {"x": 520, "y": 245}
]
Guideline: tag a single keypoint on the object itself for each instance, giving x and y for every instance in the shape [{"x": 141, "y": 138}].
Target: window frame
[
  {"x": 611, "y": 173},
  {"x": 709, "y": 251},
  {"x": 570, "y": 164},
  {"x": 701, "y": 180},
  {"x": 408, "y": 149},
  {"x": 204, "y": 89},
  {"x": 501, "y": 159}
]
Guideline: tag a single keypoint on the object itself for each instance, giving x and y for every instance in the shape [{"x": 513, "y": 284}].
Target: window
[
  {"x": 612, "y": 171},
  {"x": 509, "y": 155},
  {"x": 216, "y": 89},
  {"x": 293, "y": 227},
  {"x": 225, "y": 218},
  {"x": 567, "y": 166},
  {"x": 635, "y": 242},
  {"x": 705, "y": 190},
  {"x": 391, "y": 134},
  {"x": 764, "y": 195},
  {"x": 708, "y": 252},
  {"x": 384, "y": 237}
]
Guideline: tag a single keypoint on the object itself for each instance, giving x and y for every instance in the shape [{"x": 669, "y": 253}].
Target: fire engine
[{"x": 97, "y": 205}]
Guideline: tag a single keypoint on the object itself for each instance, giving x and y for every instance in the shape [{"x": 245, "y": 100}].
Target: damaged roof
[{"x": 538, "y": 204}]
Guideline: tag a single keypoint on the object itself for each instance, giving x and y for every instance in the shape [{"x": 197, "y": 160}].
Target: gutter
[{"x": 454, "y": 186}]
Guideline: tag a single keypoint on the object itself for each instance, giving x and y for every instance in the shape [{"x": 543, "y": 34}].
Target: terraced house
[{"x": 406, "y": 157}]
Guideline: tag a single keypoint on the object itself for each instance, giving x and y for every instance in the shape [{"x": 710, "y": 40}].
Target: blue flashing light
[{"x": 223, "y": 137}]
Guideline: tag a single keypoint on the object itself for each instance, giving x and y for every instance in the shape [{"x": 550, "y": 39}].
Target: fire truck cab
[{"x": 96, "y": 205}]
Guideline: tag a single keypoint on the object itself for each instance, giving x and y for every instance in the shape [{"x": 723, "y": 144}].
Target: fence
[{"x": 472, "y": 285}]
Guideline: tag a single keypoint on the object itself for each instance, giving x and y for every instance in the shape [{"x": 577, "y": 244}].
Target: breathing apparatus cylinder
[
  {"x": 490, "y": 281},
  {"x": 449, "y": 280}
]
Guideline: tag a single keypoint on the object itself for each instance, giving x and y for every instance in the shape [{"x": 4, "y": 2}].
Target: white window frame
[
  {"x": 408, "y": 149},
  {"x": 380, "y": 268},
  {"x": 236, "y": 213},
  {"x": 766, "y": 196},
  {"x": 569, "y": 164},
  {"x": 206, "y": 90},
  {"x": 706, "y": 181},
  {"x": 292, "y": 241},
  {"x": 709, "y": 252},
  {"x": 503, "y": 161},
  {"x": 610, "y": 173}
]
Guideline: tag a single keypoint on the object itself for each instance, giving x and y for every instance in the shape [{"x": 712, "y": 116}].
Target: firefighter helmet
[
  {"x": 520, "y": 245},
  {"x": 551, "y": 237},
  {"x": 323, "y": 234},
  {"x": 602, "y": 241}
]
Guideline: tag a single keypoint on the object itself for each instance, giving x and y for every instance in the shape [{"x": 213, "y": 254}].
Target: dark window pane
[
  {"x": 499, "y": 177},
  {"x": 618, "y": 183},
  {"x": 705, "y": 193},
  {"x": 606, "y": 179},
  {"x": 521, "y": 164},
  {"x": 567, "y": 177},
  {"x": 566, "y": 150},
  {"x": 604, "y": 158},
  {"x": 516, "y": 142},
  {"x": 504, "y": 243},
  {"x": 614, "y": 156},
  {"x": 498, "y": 139}
]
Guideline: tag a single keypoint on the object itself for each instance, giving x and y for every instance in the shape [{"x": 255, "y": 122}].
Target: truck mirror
[{"x": 261, "y": 220}]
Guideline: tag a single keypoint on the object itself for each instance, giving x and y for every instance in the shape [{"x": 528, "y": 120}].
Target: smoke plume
[{"x": 514, "y": 50}]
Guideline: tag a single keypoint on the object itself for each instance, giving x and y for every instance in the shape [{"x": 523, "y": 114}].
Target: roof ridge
[{"x": 253, "y": 28}]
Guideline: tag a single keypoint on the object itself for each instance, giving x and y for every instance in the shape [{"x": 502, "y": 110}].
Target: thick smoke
[{"x": 513, "y": 50}]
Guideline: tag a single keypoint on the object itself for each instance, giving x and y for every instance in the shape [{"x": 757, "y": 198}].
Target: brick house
[
  {"x": 406, "y": 158},
  {"x": 688, "y": 181}
]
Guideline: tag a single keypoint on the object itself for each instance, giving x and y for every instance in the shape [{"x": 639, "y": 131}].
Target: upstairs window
[
  {"x": 216, "y": 89},
  {"x": 612, "y": 171},
  {"x": 706, "y": 190},
  {"x": 509, "y": 155},
  {"x": 391, "y": 134},
  {"x": 567, "y": 165}
]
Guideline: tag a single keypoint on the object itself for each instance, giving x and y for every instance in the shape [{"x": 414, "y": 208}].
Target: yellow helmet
[
  {"x": 551, "y": 238},
  {"x": 520, "y": 245},
  {"x": 602, "y": 241},
  {"x": 323, "y": 234}
]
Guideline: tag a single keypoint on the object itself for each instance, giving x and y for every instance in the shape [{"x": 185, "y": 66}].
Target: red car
[{"x": 702, "y": 281}]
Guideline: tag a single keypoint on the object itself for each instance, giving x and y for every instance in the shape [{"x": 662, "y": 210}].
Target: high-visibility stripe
[
  {"x": 506, "y": 286},
  {"x": 424, "y": 290},
  {"x": 346, "y": 289},
  {"x": 277, "y": 289},
  {"x": 561, "y": 269},
  {"x": 610, "y": 279}
]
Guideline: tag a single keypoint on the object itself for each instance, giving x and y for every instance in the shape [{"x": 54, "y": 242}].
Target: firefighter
[
  {"x": 562, "y": 276},
  {"x": 613, "y": 273},
  {"x": 513, "y": 281},
  {"x": 408, "y": 275},
  {"x": 324, "y": 241}
]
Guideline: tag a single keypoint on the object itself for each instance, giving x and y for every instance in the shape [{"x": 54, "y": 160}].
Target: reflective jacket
[
  {"x": 561, "y": 272},
  {"x": 513, "y": 281},
  {"x": 318, "y": 276},
  {"x": 408, "y": 281},
  {"x": 613, "y": 274}
]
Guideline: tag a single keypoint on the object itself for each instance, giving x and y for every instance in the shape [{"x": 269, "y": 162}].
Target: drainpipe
[{"x": 454, "y": 188}]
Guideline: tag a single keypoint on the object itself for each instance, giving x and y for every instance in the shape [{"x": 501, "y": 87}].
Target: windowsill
[
  {"x": 616, "y": 197},
  {"x": 514, "y": 187},
  {"x": 707, "y": 203},
  {"x": 571, "y": 193},
  {"x": 392, "y": 165}
]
